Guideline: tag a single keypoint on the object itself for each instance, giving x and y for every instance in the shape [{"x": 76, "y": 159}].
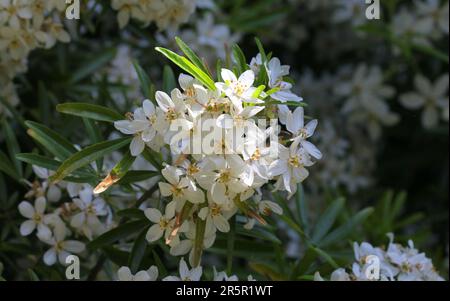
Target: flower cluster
[
  {"x": 185, "y": 274},
  {"x": 54, "y": 221},
  {"x": 165, "y": 13},
  {"x": 396, "y": 263},
  {"x": 26, "y": 25},
  {"x": 209, "y": 182}
]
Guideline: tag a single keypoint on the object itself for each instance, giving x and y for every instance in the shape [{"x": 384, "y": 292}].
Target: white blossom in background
[
  {"x": 25, "y": 26},
  {"x": 396, "y": 263},
  {"x": 365, "y": 95},
  {"x": 60, "y": 247},
  {"x": 166, "y": 14},
  {"x": 432, "y": 98},
  {"x": 207, "y": 38},
  {"x": 186, "y": 274},
  {"x": 353, "y": 11},
  {"x": 124, "y": 274},
  {"x": 431, "y": 11}
]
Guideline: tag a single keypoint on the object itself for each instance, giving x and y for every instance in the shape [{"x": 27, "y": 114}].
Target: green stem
[
  {"x": 230, "y": 244},
  {"x": 198, "y": 243}
]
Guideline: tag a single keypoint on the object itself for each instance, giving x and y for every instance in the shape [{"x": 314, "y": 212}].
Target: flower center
[{"x": 294, "y": 161}]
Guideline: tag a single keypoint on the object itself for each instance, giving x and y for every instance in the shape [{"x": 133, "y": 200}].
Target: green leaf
[
  {"x": 302, "y": 207},
  {"x": 133, "y": 176},
  {"x": 261, "y": 50},
  {"x": 92, "y": 65},
  {"x": 189, "y": 67},
  {"x": 325, "y": 256},
  {"x": 344, "y": 230},
  {"x": 41, "y": 161},
  {"x": 32, "y": 275},
  {"x": 90, "y": 111},
  {"x": 146, "y": 84},
  {"x": 121, "y": 232},
  {"x": 239, "y": 56},
  {"x": 192, "y": 56},
  {"x": 7, "y": 167},
  {"x": 115, "y": 255},
  {"x": 95, "y": 136},
  {"x": 138, "y": 251},
  {"x": 131, "y": 213},
  {"x": 118, "y": 171},
  {"x": 327, "y": 219},
  {"x": 258, "y": 91},
  {"x": 87, "y": 155},
  {"x": 258, "y": 232},
  {"x": 53, "y": 142},
  {"x": 12, "y": 145},
  {"x": 169, "y": 82},
  {"x": 436, "y": 53},
  {"x": 230, "y": 244}
]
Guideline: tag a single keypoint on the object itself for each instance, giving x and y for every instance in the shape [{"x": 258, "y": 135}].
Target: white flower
[
  {"x": 267, "y": 207},
  {"x": 179, "y": 188},
  {"x": 36, "y": 218},
  {"x": 222, "y": 276},
  {"x": 124, "y": 274},
  {"x": 365, "y": 96},
  {"x": 186, "y": 274},
  {"x": 224, "y": 179},
  {"x": 142, "y": 126},
  {"x": 186, "y": 245},
  {"x": 61, "y": 248},
  {"x": 163, "y": 223},
  {"x": 296, "y": 125},
  {"x": 290, "y": 166},
  {"x": 432, "y": 97},
  {"x": 53, "y": 192},
  {"x": 238, "y": 90},
  {"x": 216, "y": 215},
  {"x": 90, "y": 209}
]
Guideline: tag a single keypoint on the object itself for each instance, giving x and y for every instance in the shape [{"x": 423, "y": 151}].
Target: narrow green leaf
[
  {"x": 131, "y": 213},
  {"x": 92, "y": 65},
  {"x": 189, "y": 67},
  {"x": 326, "y": 256},
  {"x": 258, "y": 91},
  {"x": 138, "y": 251},
  {"x": 230, "y": 244},
  {"x": 118, "y": 171},
  {"x": 7, "y": 167},
  {"x": 90, "y": 111},
  {"x": 239, "y": 56},
  {"x": 169, "y": 82},
  {"x": 95, "y": 136},
  {"x": 146, "y": 84},
  {"x": 258, "y": 232},
  {"x": 191, "y": 55},
  {"x": 12, "y": 145},
  {"x": 133, "y": 176},
  {"x": 32, "y": 275},
  {"x": 261, "y": 50},
  {"x": 346, "y": 229},
  {"x": 327, "y": 219},
  {"x": 52, "y": 141},
  {"x": 50, "y": 164},
  {"x": 121, "y": 232},
  {"x": 87, "y": 155}
]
